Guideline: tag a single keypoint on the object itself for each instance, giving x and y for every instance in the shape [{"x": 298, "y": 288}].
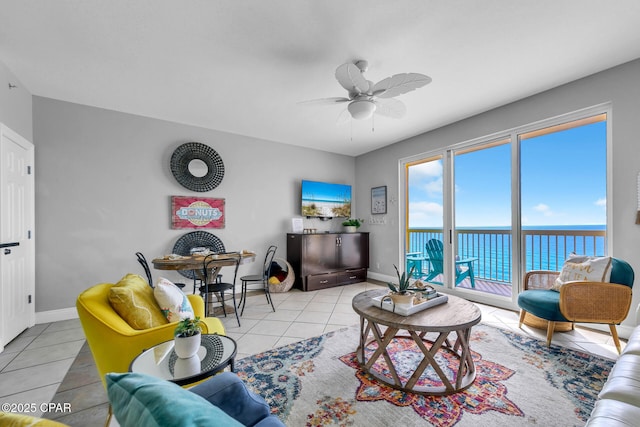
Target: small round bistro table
[
  {"x": 456, "y": 316},
  {"x": 215, "y": 354},
  {"x": 196, "y": 264}
]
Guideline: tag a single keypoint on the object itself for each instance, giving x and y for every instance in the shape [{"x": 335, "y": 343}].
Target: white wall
[
  {"x": 620, "y": 85},
  {"x": 103, "y": 188},
  {"x": 15, "y": 104}
]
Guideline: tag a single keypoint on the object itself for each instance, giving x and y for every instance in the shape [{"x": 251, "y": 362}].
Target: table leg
[
  {"x": 364, "y": 333},
  {"x": 460, "y": 349},
  {"x": 430, "y": 360}
]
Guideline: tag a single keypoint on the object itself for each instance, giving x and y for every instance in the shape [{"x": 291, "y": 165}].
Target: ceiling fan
[{"x": 365, "y": 97}]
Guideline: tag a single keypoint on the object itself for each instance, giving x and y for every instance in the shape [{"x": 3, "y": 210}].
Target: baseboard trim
[
  {"x": 56, "y": 315},
  {"x": 377, "y": 276}
]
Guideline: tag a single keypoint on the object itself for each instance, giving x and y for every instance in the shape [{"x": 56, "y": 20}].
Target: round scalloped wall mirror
[{"x": 197, "y": 166}]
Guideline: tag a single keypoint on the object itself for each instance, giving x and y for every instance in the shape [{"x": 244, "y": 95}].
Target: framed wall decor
[
  {"x": 379, "y": 200},
  {"x": 196, "y": 212}
]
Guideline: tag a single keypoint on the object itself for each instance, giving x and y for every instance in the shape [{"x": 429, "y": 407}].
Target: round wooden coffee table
[{"x": 456, "y": 316}]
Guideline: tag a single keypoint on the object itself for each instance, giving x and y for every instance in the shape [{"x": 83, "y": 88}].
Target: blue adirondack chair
[{"x": 464, "y": 267}]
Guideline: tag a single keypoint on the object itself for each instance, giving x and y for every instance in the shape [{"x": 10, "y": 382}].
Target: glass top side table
[{"x": 215, "y": 354}]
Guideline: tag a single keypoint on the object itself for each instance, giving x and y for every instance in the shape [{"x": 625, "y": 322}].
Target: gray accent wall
[
  {"x": 620, "y": 86},
  {"x": 103, "y": 188}
]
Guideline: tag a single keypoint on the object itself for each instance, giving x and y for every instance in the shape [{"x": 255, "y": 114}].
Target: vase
[
  {"x": 186, "y": 347},
  {"x": 350, "y": 228},
  {"x": 403, "y": 300}
]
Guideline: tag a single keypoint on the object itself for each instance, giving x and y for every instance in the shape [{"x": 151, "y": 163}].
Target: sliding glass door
[
  {"x": 481, "y": 214},
  {"x": 563, "y": 179},
  {"x": 424, "y": 213},
  {"x": 482, "y": 211}
]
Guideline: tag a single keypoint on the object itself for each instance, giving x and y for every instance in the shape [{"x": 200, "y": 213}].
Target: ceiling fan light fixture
[{"x": 361, "y": 110}]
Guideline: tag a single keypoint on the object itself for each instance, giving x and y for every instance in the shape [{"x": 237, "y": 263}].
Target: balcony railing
[{"x": 544, "y": 249}]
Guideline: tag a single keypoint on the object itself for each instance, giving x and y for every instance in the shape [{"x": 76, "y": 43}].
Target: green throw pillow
[{"x": 144, "y": 401}]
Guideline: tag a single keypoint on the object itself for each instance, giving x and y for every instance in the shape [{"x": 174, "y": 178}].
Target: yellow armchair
[{"x": 113, "y": 342}]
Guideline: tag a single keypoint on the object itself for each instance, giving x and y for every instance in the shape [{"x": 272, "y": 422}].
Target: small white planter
[
  {"x": 350, "y": 228},
  {"x": 186, "y": 347}
]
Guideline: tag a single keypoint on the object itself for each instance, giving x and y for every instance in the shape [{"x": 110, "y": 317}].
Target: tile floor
[{"x": 33, "y": 365}]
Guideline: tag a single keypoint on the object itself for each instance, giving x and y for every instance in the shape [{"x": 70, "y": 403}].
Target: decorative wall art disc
[
  {"x": 197, "y": 166},
  {"x": 196, "y": 239}
]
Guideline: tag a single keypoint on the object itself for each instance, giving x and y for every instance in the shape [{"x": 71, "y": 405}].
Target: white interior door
[{"x": 17, "y": 266}]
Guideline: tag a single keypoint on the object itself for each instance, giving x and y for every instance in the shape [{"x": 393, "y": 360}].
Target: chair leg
[
  {"x": 614, "y": 335},
  {"x": 267, "y": 293},
  {"x": 550, "y": 328},
  {"x": 205, "y": 297},
  {"x": 224, "y": 309},
  {"x": 233, "y": 296},
  {"x": 243, "y": 297},
  {"x": 241, "y": 294},
  {"x": 109, "y": 415},
  {"x": 522, "y": 316}
]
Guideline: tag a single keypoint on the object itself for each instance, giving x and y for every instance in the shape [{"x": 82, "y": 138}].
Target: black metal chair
[
  {"x": 143, "y": 262},
  {"x": 197, "y": 239},
  {"x": 259, "y": 278},
  {"x": 218, "y": 288}
]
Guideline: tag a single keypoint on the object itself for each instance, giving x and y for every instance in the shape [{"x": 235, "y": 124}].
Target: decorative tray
[{"x": 407, "y": 311}]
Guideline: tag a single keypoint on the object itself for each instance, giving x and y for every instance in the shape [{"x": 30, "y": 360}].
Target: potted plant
[
  {"x": 352, "y": 224},
  {"x": 187, "y": 336},
  {"x": 402, "y": 293}
]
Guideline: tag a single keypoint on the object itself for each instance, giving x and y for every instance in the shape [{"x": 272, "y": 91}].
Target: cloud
[
  {"x": 425, "y": 214},
  {"x": 601, "y": 202},
  {"x": 427, "y": 177},
  {"x": 434, "y": 187},
  {"x": 543, "y": 209},
  {"x": 426, "y": 169}
]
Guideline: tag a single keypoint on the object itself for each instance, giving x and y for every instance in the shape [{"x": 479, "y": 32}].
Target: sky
[
  {"x": 563, "y": 182},
  {"x": 324, "y": 191}
]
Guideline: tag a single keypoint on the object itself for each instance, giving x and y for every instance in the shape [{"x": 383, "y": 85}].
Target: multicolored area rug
[{"x": 318, "y": 382}]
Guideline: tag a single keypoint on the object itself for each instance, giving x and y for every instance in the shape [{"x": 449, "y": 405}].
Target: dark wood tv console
[{"x": 324, "y": 260}]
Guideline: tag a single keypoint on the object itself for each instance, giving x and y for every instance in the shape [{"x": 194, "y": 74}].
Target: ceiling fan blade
[
  {"x": 350, "y": 77},
  {"x": 399, "y": 84},
  {"x": 390, "y": 107},
  {"x": 325, "y": 101}
]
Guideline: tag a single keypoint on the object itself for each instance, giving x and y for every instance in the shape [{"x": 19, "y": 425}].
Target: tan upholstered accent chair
[{"x": 581, "y": 302}]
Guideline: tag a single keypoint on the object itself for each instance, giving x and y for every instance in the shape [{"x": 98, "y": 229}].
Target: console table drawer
[
  {"x": 352, "y": 276},
  {"x": 320, "y": 281}
]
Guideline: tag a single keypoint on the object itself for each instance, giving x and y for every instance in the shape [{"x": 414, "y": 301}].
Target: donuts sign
[{"x": 196, "y": 212}]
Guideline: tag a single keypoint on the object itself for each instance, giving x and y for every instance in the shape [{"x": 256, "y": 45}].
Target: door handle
[{"x": 8, "y": 245}]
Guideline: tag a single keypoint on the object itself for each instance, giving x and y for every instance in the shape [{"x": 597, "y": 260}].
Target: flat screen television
[{"x": 326, "y": 200}]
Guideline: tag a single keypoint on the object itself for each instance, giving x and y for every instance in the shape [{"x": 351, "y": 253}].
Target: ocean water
[{"x": 545, "y": 247}]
